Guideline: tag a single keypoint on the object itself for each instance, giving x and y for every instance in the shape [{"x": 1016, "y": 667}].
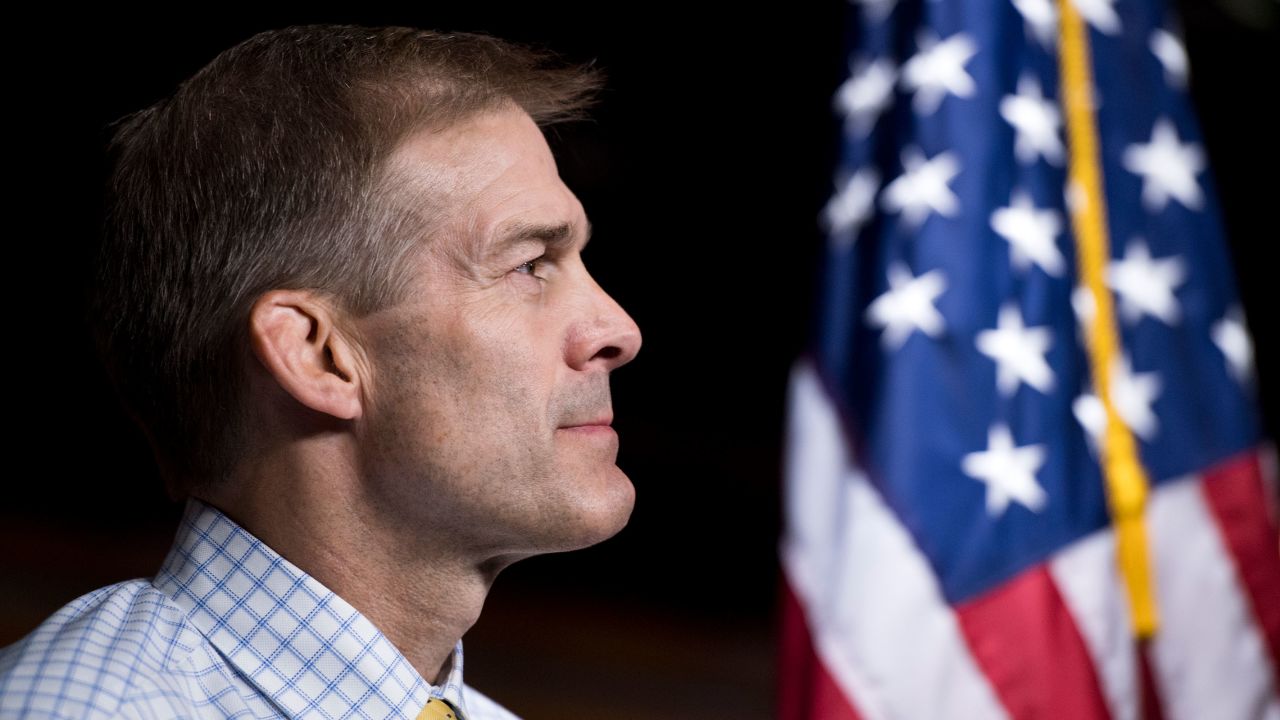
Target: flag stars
[
  {"x": 866, "y": 94},
  {"x": 1172, "y": 55},
  {"x": 1075, "y": 197},
  {"x": 1146, "y": 285},
  {"x": 1092, "y": 416},
  {"x": 1035, "y": 120},
  {"x": 937, "y": 69},
  {"x": 1009, "y": 472},
  {"x": 1232, "y": 338},
  {"x": 1041, "y": 17},
  {"x": 851, "y": 206},
  {"x": 1168, "y": 168},
  {"x": 1132, "y": 394},
  {"x": 907, "y": 306},
  {"x": 1085, "y": 307},
  {"x": 922, "y": 187},
  {"x": 1031, "y": 233},
  {"x": 1019, "y": 352},
  {"x": 1100, "y": 14}
]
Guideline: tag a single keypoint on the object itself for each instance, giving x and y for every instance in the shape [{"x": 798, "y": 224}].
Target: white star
[
  {"x": 1145, "y": 285},
  {"x": 1092, "y": 416},
  {"x": 922, "y": 187},
  {"x": 851, "y": 206},
  {"x": 1232, "y": 338},
  {"x": 1082, "y": 302},
  {"x": 1131, "y": 393},
  {"x": 1041, "y": 17},
  {"x": 1100, "y": 15},
  {"x": 1169, "y": 50},
  {"x": 1009, "y": 472},
  {"x": 876, "y": 10},
  {"x": 1031, "y": 233},
  {"x": 1075, "y": 197},
  {"x": 907, "y": 306},
  {"x": 866, "y": 94},
  {"x": 1035, "y": 121},
  {"x": 1086, "y": 309},
  {"x": 937, "y": 68},
  {"x": 1168, "y": 168},
  {"x": 1018, "y": 352}
]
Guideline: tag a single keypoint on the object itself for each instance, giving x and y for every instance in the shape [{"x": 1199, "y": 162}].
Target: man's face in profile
[{"x": 489, "y": 406}]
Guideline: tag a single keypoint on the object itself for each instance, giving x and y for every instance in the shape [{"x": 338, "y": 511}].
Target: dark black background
[{"x": 703, "y": 172}]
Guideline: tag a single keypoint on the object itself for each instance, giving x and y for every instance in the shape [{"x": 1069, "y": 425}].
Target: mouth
[{"x": 602, "y": 422}]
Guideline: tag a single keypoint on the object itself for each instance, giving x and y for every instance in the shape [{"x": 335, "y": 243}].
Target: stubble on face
[{"x": 462, "y": 447}]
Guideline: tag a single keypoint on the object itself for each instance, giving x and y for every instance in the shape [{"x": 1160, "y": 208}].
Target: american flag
[{"x": 1025, "y": 474}]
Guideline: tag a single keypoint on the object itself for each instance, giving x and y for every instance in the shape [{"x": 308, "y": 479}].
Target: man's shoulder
[{"x": 96, "y": 652}]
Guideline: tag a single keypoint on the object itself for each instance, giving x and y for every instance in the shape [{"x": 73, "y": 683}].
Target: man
[{"x": 341, "y": 289}]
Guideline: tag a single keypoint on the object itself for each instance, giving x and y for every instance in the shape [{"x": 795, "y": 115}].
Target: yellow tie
[{"x": 439, "y": 709}]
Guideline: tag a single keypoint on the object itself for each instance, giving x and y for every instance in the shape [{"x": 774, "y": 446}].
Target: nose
[{"x": 606, "y": 337}]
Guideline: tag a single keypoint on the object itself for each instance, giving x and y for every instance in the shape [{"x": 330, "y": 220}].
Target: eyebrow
[{"x": 557, "y": 234}]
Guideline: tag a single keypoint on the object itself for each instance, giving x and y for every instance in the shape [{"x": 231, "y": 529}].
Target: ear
[{"x": 294, "y": 335}]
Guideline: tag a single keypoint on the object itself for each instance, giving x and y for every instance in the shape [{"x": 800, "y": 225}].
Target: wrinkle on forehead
[{"x": 435, "y": 174}]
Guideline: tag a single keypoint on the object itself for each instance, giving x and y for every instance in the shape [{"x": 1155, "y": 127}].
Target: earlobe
[{"x": 295, "y": 337}]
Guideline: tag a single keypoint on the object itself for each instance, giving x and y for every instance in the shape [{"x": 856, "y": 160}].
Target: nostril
[{"x": 609, "y": 352}]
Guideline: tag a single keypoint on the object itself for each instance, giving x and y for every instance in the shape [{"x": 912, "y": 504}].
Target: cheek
[
  {"x": 515, "y": 357},
  {"x": 488, "y": 378},
  {"x": 514, "y": 393}
]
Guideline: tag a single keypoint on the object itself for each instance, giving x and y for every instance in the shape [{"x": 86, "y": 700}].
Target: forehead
[{"x": 487, "y": 173}]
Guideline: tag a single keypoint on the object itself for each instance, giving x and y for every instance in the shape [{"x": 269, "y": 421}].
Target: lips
[{"x": 601, "y": 421}]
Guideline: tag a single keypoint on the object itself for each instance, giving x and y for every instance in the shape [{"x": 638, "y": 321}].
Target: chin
[{"x": 603, "y": 513}]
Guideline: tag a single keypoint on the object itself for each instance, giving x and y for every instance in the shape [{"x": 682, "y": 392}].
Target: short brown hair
[{"x": 267, "y": 169}]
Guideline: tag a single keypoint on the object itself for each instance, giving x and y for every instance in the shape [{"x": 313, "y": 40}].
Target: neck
[{"x": 423, "y": 596}]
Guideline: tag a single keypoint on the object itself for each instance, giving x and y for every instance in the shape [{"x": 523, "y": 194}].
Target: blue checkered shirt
[{"x": 227, "y": 629}]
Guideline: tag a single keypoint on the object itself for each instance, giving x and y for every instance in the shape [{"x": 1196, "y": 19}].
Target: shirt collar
[{"x": 298, "y": 642}]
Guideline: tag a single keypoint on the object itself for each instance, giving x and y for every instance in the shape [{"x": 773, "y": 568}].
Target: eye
[{"x": 530, "y": 267}]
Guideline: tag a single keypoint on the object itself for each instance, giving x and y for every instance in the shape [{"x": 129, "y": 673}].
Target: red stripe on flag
[
  {"x": 1152, "y": 706},
  {"x": 1026, "y": 642},
  {"x": 1236, "y": 499},
  {"x": 806, "y": 691}
]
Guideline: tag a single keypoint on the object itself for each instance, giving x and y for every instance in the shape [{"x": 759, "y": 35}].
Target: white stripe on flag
[
  {"x": 1208, "y": 658},
  {"x": 1090, "y": 584},
  {"x": 881, "y": 626}
]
